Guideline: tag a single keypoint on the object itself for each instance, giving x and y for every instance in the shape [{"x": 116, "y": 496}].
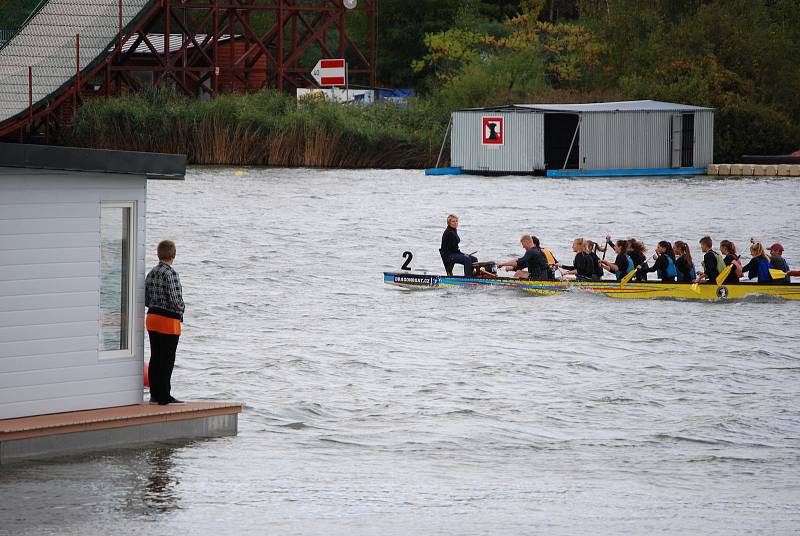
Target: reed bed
[{"x": 262, "y": 129}]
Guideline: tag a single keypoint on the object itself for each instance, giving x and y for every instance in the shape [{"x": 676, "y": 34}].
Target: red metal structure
[{"x": 207, "y": 48}]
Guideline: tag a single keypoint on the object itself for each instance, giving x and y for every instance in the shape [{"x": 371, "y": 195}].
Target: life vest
[
  {"x": 622, "y": 272},
  {"x": 671, "y": 272},
  {"x": 761, "y": 271},
  {"x": 549, "y": 256},
  {"x": 720, "y": 262}
]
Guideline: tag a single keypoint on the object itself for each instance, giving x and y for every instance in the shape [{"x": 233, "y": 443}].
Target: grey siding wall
[
  {"x": 49, "y": 293},
  {"x": 522, "y": 151},
  {"x": 704, "y": 138},
  {"x": 629, "y": 140},
  {"x": 634, "y": 140}
]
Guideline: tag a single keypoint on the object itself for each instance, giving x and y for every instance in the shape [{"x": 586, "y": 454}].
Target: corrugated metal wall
[
  {"x": 636, "y": 140},
  {"x": 630, "y": 140},
  {"x": 49, "y": 293},
  {"x": 703, "y": 138},
  {"x": 522, "y": 151}
]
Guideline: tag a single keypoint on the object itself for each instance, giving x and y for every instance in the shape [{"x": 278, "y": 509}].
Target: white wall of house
[{"x": 50, "y": 359}]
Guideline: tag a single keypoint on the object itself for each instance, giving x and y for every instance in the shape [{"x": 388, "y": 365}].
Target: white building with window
[{"x": 72, "y": 254}]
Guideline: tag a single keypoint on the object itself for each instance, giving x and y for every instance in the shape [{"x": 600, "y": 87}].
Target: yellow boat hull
[{"x": 612, "y": 289}]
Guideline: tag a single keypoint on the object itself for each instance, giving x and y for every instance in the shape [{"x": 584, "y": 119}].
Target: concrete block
[
  {"x": 736, "y": 169},
  {"x": 724, "y": 169},
  {"x": 794, "y": 171},
  {"x": 713, "y": 169},
  {"x": 748, "y": 170},
  {"x": 771, "y": 170},
  {"x": 783, "y": 170},
  {"x": 758, "y": 171}
]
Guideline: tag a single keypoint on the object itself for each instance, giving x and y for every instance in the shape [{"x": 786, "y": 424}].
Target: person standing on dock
[
  {"x": 163, "y": 298},
  {"x": 449, "y": 250}
]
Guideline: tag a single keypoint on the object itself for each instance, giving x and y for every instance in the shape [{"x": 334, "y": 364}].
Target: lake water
[{"x": 374, "y": 410}]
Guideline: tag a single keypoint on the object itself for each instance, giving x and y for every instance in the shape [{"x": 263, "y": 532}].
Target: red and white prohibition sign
[{"x": 493, "y": 131}]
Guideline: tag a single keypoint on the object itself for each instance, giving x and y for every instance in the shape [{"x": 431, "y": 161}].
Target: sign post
[{"x": 332, "y": 72}]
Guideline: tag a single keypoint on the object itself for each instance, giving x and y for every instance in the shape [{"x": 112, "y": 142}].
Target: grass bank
[{"x": 264, "y": 129}]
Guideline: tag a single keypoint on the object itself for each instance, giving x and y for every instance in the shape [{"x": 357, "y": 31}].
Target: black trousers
[{"x": 162, "y": 361}]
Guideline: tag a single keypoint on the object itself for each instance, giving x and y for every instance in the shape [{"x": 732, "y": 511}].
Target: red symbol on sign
[{"x": 493, "y": 130}]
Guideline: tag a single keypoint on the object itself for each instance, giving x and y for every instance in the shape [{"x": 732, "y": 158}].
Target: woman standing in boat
[
  {"x": 728, "y": 249},
  {"x": 622, "y": 264},
  {"x": 449, "y": 250},
  {"x": 683, "y": 263},
  {"x": 583, "y": 265},
  {"x": 664, "y": 265}
]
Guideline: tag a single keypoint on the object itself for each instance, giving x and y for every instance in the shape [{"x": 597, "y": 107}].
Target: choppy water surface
[{"x": 373, "y": 410}]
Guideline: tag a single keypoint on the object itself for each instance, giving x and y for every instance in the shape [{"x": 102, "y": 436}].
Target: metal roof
[
  {"x": 175, "y": 42},
  {"x": 151, "y": 165},
  {"x": 47, "y": 43},
  {"x": 622, "y": 106}
]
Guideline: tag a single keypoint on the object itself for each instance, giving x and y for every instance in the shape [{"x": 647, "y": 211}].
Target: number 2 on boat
[{"x": 407, "y": 256}]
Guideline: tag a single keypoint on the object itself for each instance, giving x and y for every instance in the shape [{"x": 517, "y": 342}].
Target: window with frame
[{"x": 117, "y": 281}]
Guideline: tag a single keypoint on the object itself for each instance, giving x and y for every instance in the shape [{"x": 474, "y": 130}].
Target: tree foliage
[{"x": 732, "y": 55}]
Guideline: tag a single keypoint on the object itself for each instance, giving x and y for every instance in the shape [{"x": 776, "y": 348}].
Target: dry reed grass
[{"x": 260, "y": 130}]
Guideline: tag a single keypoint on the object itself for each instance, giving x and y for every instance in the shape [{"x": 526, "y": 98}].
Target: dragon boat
[{"x": 610, "y": 288}]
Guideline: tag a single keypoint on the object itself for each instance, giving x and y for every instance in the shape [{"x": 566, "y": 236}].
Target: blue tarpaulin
[{"x": 396, "y": 96}]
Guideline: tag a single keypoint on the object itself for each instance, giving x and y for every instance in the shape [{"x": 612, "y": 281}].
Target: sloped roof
[
  {"x": 589, "y": 107},
  {"x": 46, "y": 42}
]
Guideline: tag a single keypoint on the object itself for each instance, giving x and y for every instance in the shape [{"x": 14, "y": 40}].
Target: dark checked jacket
[{"x": 162, "y": 292}]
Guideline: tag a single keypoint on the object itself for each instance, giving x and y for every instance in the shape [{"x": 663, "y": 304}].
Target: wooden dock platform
[{"x": 80, "y": 431}]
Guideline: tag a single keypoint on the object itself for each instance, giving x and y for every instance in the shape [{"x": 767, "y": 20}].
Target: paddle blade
[
  {"x": 721, "y": 277},
  {"x": 696, "y": 288},
  {"x": 627, "y": 277},
  {"x": 777, "y": 274}
]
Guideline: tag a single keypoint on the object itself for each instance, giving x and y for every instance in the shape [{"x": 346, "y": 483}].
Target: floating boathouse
[
  {"x": 604, "y": 139},
  {"x": 72, "y": 265}
]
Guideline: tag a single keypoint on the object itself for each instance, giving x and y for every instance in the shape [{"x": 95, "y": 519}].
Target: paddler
[
  {"x": 449, "y": 249},
  {"x": 583, "y": 265},
  {"x": 623, "y": 264},
  {"x": 759, "y": 265},
  {"x": 728, "y": 248},
  {"x": 777, "y": 261},
  {"x": 713, "y": 263},
  {"x": 532, "y": 265},
  {"x": 664, "y": 265}
]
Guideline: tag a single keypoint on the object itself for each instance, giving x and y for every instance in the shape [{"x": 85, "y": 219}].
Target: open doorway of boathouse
[{"x": 562, "y": 141}]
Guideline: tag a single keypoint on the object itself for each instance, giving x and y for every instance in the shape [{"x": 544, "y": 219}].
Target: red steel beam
[{"x": 275, "y": 54}]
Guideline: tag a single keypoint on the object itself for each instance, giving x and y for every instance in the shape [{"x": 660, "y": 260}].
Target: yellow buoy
[{"x": 239, "y": 173}]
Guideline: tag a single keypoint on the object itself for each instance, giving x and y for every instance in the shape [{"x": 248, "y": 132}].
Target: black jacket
[
  {"x": 450, "y": 240},
  {"x": 584, "y": 265},
  {"x": 536, "y": 264}
]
